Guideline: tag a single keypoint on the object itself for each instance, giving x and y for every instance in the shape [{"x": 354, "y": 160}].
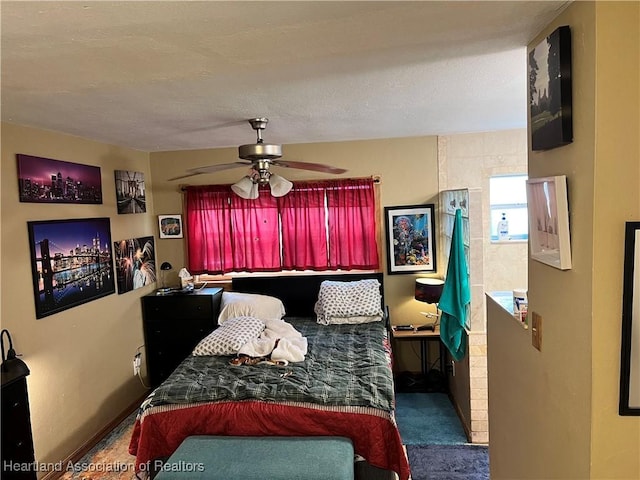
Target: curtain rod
[{"x": 376, "y": 179}]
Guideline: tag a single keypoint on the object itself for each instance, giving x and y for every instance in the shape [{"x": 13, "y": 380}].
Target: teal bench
[{"x": 260, "y": 458}]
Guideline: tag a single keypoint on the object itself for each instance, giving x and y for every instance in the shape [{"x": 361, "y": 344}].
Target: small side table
[{"x": 425, "y": 336}]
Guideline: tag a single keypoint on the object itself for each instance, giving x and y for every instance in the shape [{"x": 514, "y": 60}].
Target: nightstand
[
  {"x": 425, "y": 337},
  {"x": 173, "y": 325}
]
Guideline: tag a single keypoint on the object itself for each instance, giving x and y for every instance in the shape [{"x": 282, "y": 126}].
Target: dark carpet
[
  {"x": 448, "y": 462},
  {"x": 436, "y": 443},
  {"x": 428, "y": 419}
]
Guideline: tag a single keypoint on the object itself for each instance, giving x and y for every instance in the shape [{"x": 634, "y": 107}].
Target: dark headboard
[{"x": 297, "y": 292}]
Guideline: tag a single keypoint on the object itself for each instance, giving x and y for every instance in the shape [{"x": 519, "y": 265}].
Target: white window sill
[{"x": 503, "y": 242}]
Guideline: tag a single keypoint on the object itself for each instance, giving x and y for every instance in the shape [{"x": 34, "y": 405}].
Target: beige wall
[
  {"x": 408, "y": 167},
  {"x": 615, "y": 446},
  {"x": 553, "y": 414},
  {"x": 80, "y": 359}
]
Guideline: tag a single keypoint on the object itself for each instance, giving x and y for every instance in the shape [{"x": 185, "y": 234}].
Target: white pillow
[
  {"x": 228, "y": 338},
  {"x": 349, "y": 302},
  {"x": 350, "y": 320},
  {"x": 238, "y": 304}
]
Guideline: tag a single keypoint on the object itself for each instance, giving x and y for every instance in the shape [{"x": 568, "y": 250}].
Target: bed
[{"x": 344, "y": 387}]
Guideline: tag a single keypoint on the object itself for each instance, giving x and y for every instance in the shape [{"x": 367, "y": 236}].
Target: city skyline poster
[
  {"x": 45, "y": 180},
  {"x": 71, "y": 263}
]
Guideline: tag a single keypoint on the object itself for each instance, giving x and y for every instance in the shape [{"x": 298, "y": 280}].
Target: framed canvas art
[
  {"x": 630, "y": 356},
  {"x": 548, "y": 207},
  {"x": 411, "y": 243},
  {"x": 130, "y": 192},
  {"x": 550, "y": 96},
  {"x": 71, "y": 263},
  {"x": 135, "y": 263},
  {"x": 170, "y": 226},
  {"x": 43, "y": 180}
]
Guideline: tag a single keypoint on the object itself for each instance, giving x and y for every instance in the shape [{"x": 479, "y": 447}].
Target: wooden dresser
[
  {"x": 173, "y": 325},
  {"x": 18, "y": 459}
]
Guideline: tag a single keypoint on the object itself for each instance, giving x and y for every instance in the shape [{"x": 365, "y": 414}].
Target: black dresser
[
  {"x": 173, "y": 326},
  {"x": 17, "y": 443}
]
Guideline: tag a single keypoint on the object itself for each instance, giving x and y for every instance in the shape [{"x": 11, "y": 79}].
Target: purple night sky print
[{"x": 44, "y": 180}]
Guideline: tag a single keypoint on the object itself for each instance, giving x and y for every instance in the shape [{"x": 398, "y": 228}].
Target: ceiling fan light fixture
[
  {"x": 245, "y": 188},
  {"x": 280, "y": 186}
]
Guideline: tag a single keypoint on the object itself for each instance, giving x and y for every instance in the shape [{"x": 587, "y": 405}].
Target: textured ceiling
[{"x": 181, "y": 75}]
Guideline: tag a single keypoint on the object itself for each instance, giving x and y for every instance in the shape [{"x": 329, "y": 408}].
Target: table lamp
[
  {"x": 428, "y": 290},
  {"x": 164, "y": 268}
]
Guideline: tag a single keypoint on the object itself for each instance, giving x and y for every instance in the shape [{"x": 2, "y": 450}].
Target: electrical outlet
[
  {"x": 136, "y": 364},
  {"x": 536, "y": 330}
]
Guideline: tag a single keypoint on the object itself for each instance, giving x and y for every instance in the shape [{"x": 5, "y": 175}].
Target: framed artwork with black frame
[
  {"x": 411, "y": 243},
  {"x": 630, "y": 354},
  {"x": 71, "y": 263},
  {"x": 550, "y": 97}
]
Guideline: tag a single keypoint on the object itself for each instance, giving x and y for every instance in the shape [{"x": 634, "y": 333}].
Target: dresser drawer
[
  {"x": 183, "y": 306},
  {"x": 177, "y": 331}
]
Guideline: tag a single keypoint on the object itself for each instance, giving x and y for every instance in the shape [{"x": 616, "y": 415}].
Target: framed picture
[
  {"x": 170, "y": 226},
  {"x": 135, "y": 263},
  {"x": 411, "y": 243},
  {"x": 548, "y": 207},
  {"x": 71, "y": 263},
  {"x": 43, "y": 180},
  {"x": 130, "y": 192},
  {"x": 630, "y": 358},
  {"x": 550, "y": 91}
]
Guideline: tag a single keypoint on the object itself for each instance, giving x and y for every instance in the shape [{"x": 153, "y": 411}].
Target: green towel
[{"x": 456, "y": 295}]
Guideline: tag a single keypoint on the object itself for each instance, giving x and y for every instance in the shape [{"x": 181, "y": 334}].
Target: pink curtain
[
  {"x": 304, "y": 232},
  {"x": 255, "y": 242},
  {"x": 352, "y": 224},
  {"x": 208, "y": 228},
  {"x": 226, "y": 233}
]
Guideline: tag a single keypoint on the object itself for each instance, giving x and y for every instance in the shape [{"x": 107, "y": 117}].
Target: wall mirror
[{"x": 630, "y": 358}]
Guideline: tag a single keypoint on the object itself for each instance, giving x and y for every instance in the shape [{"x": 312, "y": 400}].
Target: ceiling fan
[{"x": 260, "y": 157}]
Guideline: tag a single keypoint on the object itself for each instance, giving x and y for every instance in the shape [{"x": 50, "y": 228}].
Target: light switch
[{"x": 536, "y": 330}]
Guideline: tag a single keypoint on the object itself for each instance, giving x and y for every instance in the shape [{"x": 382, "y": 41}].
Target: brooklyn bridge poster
[{"x": 71, "y": 263}]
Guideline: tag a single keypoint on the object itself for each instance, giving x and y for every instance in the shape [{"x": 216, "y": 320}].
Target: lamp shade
[
  {"x": 280, "y": 186},
  {"x": 428, "y": 290},
  {"x": 245, "y": 188}
]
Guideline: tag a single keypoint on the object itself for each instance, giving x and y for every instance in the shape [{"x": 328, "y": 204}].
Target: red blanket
[{"x": 374, "y": 433}]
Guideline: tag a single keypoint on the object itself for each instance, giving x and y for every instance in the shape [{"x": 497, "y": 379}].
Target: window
[
  {"x": 508, "y": 198},
  {"x": 318, "y": 225}
]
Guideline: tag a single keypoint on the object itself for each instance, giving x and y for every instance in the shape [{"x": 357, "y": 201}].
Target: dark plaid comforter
[{"x": 346, "y": 365}]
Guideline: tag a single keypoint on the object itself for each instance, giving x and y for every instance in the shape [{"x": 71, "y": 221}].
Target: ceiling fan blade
[
  {"x": 211, "y": 169},
  {"x": 184, "y": 176},
  {"x": 317, "y": 167},
  {"x": 218, "y": 167}
]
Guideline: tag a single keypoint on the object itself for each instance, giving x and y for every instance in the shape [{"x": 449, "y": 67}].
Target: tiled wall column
[
  {"x": 478, "y": 391},
  {"x": 469, "y": 161}
]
